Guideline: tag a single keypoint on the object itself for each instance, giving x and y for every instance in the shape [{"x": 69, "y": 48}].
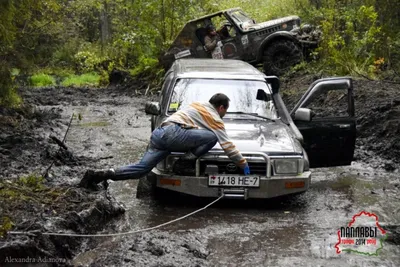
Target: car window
[
  {"x": 332, "y": 103},
  {"x": 242, "y": 95}
]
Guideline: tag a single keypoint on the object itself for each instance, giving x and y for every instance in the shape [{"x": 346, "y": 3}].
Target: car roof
[
  {"x": 216, "y": 69},
  {"x": 215, "y": 14}
]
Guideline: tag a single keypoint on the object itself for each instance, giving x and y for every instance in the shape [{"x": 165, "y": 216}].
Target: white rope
[{"x": 116, "y": 234}]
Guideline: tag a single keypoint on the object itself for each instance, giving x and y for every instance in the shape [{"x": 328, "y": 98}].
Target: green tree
[{"x": 27, "y": 28}]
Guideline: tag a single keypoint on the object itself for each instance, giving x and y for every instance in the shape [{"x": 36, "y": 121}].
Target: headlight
[
  {"x": 288, "y": 166},
  {"x": 161, "y": 166},
  {"x": 180, "y": 167},
  {"x": 169, "y": 162}
]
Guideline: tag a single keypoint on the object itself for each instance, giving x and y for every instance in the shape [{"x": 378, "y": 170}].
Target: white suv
[{"x": 279, "y": 146}]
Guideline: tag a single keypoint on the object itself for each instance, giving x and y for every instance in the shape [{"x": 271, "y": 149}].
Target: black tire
[
  {"x": 146, "y": 186},
  {"x": 280, "y": 56}
]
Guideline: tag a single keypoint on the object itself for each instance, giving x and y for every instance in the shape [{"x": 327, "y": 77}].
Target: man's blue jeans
[{"x": 163, "y": 141}]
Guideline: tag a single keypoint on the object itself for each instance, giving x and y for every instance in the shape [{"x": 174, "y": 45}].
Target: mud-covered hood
[
  {"x": 274, "y": 22},
  {"x": 261, "y": 136}
]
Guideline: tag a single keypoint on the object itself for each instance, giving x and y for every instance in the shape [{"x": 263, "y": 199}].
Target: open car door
[{"x": 325, "y": 117}]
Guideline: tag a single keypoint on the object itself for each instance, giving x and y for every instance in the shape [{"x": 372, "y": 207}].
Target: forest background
[{"x": 79, "y": 42}]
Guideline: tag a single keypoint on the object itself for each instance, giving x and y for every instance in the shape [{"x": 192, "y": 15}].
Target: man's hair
[
  {"x": 210, "y": 28},
  {"x": 219, "y": 99}
]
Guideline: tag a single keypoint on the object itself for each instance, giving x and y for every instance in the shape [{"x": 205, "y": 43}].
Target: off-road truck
[
  {"x": 280, "y": 147},
  {"x": 277, "y": 44}
]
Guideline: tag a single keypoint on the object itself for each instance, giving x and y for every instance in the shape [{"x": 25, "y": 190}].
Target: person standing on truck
[{"x": 194, "y": 129}]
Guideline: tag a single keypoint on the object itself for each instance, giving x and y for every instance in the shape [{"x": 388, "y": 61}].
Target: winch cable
[{"x": 34, "y": 233}]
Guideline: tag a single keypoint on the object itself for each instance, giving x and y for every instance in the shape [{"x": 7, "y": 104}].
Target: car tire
[
  {"x": 146, "y": 186},
  {"x": 280, "y": 56}
]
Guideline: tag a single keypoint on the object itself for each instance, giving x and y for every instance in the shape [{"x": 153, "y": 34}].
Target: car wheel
[
  {"x": 280, "y": 56},
  {"x": 146, "y": 186}
]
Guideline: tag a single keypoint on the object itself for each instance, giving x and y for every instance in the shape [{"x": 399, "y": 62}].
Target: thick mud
[
  {"x": 109, "y": 128},
  {"x": 377, "y": 106}
]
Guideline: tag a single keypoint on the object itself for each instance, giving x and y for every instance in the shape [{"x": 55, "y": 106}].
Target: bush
[
  {"x": 351, "y": 42},
  {"x": 145, "y": 64},
  {"x": 8, "y": 95},
  {"x": 42, "y": 79},
  {"x": 10, "y": 98}
]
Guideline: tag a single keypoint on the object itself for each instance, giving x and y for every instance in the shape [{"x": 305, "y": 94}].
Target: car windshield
[
  {"x": 242, "y": 19},
  {"x": 242, "y": 95}
]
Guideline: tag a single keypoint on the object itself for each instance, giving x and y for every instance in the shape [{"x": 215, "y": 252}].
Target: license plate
[{"x": 234, "y": 180}]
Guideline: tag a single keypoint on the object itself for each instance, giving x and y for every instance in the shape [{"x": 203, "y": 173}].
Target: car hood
[
  {"x": 274, "y": 22},
  {"x": 262, "y": 136}
]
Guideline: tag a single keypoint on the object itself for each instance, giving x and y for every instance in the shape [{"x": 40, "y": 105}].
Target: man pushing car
[{"x": 194, "y": 129}]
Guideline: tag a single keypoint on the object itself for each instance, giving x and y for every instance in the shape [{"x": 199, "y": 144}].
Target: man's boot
[{"x": 91, "y": 177}]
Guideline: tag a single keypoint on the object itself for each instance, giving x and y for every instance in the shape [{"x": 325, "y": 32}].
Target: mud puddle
[{"x": 298, "y": 230}]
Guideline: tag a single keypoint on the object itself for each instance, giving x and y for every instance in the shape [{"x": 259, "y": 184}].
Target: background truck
[{"x": 276, "y": 45}]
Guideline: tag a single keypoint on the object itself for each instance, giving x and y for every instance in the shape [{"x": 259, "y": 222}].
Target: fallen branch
[
  {"x": 46, "y": 173},
  {"x": 63, "y": 194},
  {"x": 58, "y": 141},
  {"x": 362, "y": 75},
  {"x": 101, "y": 158}
]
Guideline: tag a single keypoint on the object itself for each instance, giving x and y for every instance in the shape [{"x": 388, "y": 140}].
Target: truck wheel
[
  {"x": 146, "y": 186},
  {"x": 280, "y": 56}
]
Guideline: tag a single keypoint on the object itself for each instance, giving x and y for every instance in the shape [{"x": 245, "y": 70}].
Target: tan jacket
[{"x": 205, "y": 116}]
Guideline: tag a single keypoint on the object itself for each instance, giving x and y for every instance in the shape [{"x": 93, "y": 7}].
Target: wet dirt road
[{"x": 295, "y": 231}]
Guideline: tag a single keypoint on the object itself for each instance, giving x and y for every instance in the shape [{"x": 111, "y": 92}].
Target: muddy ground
[{"x": 109, "y": 128}]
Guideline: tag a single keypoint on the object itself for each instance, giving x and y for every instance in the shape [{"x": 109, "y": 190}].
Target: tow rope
[{"x": 35, "y": 233}]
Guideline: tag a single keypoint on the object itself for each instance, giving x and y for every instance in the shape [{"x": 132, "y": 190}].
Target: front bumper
[{"x": 269, "y": 187}]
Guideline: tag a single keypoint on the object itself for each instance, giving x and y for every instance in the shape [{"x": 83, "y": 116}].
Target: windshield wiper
[{"x": 250, "y": 114}]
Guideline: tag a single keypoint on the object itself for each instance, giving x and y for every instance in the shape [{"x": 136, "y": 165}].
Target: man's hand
[{"x": 246, "y": 170}]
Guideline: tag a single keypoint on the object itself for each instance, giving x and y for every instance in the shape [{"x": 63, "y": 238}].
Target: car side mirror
[
  {"x": 263, "y": 96},
  {"x": 152, "y": 108},
  {"x": 303, "y": 114}
]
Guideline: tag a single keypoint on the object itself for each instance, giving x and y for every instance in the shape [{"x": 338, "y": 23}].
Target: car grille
[
  {"x": 227, "y": 167},
  {"x": 267, "y": 31}
]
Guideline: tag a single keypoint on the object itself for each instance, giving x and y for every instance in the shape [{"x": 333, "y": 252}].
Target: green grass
[
  {"x": 26, "y": 195},
  {"x": 88, "y": 79},
  {"x": 41, "y": 79}
]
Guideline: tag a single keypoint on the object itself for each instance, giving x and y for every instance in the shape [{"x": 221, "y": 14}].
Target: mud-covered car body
[
  {"x": 279, "y": 146},
  {"x": 277, "y": 44}
]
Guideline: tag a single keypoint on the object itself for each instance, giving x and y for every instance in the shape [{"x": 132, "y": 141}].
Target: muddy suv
[
  {"x": 276, "y": 44},
  {"x": 280, "y": 147}
]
